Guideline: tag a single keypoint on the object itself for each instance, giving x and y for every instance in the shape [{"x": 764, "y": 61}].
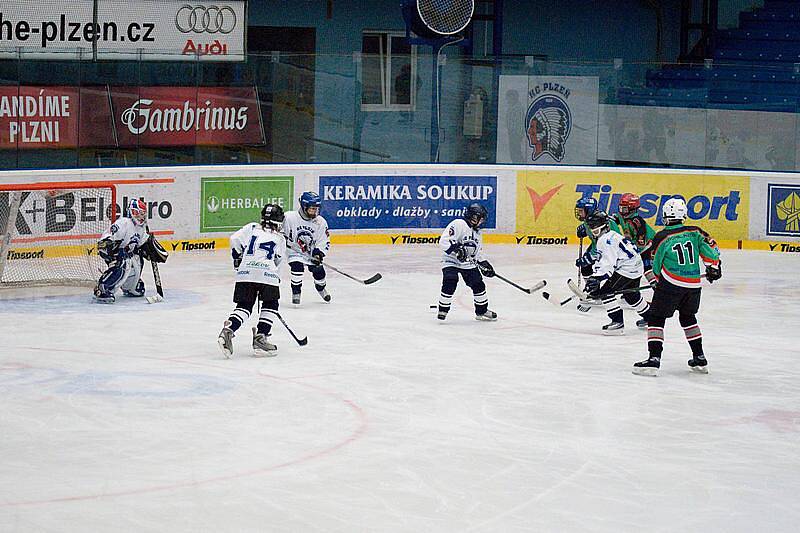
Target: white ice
[{"x": 127, "y": 418}]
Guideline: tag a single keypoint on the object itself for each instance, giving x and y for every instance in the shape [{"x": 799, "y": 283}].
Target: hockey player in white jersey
[
  {"x": 618, "y": 267},
  {"x": 309, "y": 242},
  {"x": 124, "y": 247},
  {"x": 463, "y": 255},
  {"x": 257, "y": 250}
]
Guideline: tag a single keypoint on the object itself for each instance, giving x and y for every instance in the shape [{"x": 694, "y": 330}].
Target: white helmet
[{"x": 674, "y": 209}]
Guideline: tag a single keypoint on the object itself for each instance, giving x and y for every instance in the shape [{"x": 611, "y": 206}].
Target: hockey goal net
[{"x": 49, "y": 232}]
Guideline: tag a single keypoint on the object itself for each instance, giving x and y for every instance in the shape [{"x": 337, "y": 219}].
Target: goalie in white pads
[
  {"x": 257, "y": 251},
  {"x": 461, "y": 243},
  {"x": 618, "y": 267},
  {"x": 124, "y": 247},
  {"x": 309, "y": 242}
]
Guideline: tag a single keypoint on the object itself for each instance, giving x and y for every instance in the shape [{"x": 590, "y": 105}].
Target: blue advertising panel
[
  {"x": 395, "y": 202},
  {"x": 783, "y": 210}
]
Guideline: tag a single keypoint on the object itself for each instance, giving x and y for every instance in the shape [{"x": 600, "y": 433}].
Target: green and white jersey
[{"x": 678, "y": 252}]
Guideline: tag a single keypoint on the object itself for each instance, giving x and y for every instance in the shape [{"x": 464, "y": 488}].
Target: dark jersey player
[
  {"x": 678, "y": 252},
  {"x": 635, "y": 228}
]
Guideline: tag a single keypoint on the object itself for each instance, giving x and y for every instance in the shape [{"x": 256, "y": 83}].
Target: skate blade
[
  {"x": 699, "y": 369},
  {"x": 647, "y": 371},
  {"x": 105, "y": 301},
  {"x": 226, "y": 352},
  {"x": 264, "y": 353},
  {"x": 613, "y": 332},
  {"x": 484, "y": 319}
]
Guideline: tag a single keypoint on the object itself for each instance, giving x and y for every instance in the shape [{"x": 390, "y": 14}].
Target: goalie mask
[{"x": 137, "y": 210}]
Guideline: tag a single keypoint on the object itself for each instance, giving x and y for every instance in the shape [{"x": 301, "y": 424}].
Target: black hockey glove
[
  {"x": 457, "y": 249},
  {"x": 714, "y": 272},
  {"x": 317, "y": 256},
  {"x": 237, "y": 258},
  {"x": 153, "y": 251},
  {"x": 486, "y": 268},
  {"x": 592, "y": 287},
  {"x": 586, "y": 260},
  {"x": 581, "y": 231},
  {"x": 107, "y": 250}
]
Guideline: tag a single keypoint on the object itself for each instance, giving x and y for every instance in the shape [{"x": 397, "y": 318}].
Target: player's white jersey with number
[
  {"x": 304, "y": 236},
  {"x": 130, "y": 235},
  {"x": 458, "y": 232},
  {"x": 262, "y": 251},
  {"x": 617, "y": 254}
]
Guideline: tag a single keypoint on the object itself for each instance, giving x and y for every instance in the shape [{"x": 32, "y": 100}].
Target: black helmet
[
  {"x": 598, "y": 223},
  {"x": 272, "y": 215},
  {"x": 475, "y": 215}
]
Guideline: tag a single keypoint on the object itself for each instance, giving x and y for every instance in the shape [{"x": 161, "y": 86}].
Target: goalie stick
[
  {"x": 301, "y": 342},
  {"x": 156, "y": 279}
]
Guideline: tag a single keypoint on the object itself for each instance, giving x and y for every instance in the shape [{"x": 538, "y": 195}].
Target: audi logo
[{"x": 205, "y": 19}]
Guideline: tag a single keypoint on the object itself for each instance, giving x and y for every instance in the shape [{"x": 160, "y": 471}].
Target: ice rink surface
[{"x": 127, "y": 418}]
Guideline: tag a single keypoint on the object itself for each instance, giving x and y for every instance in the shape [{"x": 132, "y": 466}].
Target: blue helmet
[
  {"x": 309, "y": 199},
  {"x": 475, "y": 215},
  {"x": 585, "y": 207}
]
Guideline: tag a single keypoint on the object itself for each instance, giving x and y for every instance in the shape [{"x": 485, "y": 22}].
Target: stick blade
[
  {"x": 539, "y": 286},
  {"x": 372, "y": 280},
  {"x": 303, "y": 341},
  {"x": 154, "y": 299}
]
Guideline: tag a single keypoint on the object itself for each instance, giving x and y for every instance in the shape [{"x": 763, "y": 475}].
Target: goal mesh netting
[{"x": 49, "y": 232}]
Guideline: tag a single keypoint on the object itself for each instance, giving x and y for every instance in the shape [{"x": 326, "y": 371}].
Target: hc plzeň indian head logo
[
  {"x": 548, "y": 123},
  {"x": 784, "y": 210}
]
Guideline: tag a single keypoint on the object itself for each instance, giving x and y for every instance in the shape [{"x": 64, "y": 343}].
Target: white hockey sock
[{"x": 238, "y": 317}]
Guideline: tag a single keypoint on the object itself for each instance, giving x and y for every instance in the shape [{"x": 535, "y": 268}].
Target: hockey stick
[
  {"x": 301, "y": 342},
  {"x": 586, "y": 299},
  {"x": 536, "y": 287},
  {"x": 547, "y": 296},
  {"x": 368, "y": 281},
  {"x": 580, "y": 254}
]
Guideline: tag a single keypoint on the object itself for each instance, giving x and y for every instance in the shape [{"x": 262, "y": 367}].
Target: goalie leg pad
[{"x": 133, "y": 284}]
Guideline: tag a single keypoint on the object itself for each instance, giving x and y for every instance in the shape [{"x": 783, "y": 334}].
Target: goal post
[{"x": 49, "y": 232}]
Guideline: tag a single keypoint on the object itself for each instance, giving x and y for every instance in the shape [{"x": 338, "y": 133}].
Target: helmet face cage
[
  {"x": 584, "y": 208},
  {"x": 475, "y": 216},
  {"x": 310, "y": 204},
  {"x": 137, "y": 210},
  {"x": 598, "y": 224},
  {"x": 629, "y": 205}
]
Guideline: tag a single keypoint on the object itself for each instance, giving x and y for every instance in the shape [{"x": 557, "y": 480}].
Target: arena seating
[{"x": 754, "y": 67}]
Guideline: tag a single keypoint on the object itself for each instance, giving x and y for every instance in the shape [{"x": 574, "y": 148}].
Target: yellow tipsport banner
[{"x": 717, "y": 203}]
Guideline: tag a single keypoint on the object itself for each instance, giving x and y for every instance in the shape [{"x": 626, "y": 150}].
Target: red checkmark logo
[{"x": 539, "y": 201}]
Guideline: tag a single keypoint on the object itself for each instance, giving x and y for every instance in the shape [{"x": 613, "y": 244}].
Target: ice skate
[
  {"x": 138, "y": 292},
  {"x": 442, "y": 313},
  {"x": 487, "y": 316},
  {"x": 261, "y": 345},
  {"x": 641, "y": 323},
  {"x": 698, "y": 364},
  {"x": 323, "y": 293},
  {"x": 296, "y": 299},
  {"x": 225, "y": 341},
  {"x": 648, "y": 367},
  {"x": 614, "y": 328}
]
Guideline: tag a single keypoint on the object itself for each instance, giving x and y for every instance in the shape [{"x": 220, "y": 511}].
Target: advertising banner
[
  {"x": 187, "y": 116},
  {"x": 783, "y": 210},
  {"x": 390, "y": 202},
  {"x": 718, "y": 203},
  {"x": 228, "y": 203},
  {"x": 162, "y": 30},
  {"x": 52, "y": 117},
  {"x": 547, "y": 120}
]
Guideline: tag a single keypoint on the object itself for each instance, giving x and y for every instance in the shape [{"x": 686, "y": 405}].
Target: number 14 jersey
[{"x": 262, "y": 251}]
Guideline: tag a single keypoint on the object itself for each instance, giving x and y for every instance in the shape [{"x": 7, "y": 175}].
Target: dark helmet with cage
[
  {"x": 629, "y": 205},
  {"x": 598, "y": 223},
  {"x": 310, "y": 203},
  {"x": 585, "y": 207},
  {"x": 475, "y": 216},
  {"x": 272, "y": 216}
]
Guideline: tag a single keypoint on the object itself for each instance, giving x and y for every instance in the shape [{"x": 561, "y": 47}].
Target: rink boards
[{"x": 196, "y": 208}]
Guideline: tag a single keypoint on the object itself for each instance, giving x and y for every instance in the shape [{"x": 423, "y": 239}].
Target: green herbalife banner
[{"x": 227, "y": 204}]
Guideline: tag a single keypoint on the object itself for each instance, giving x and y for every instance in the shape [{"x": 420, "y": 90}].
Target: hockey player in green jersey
[
  {"x": 635, "y": 228},
  {"x": 678, "y": 253}
]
